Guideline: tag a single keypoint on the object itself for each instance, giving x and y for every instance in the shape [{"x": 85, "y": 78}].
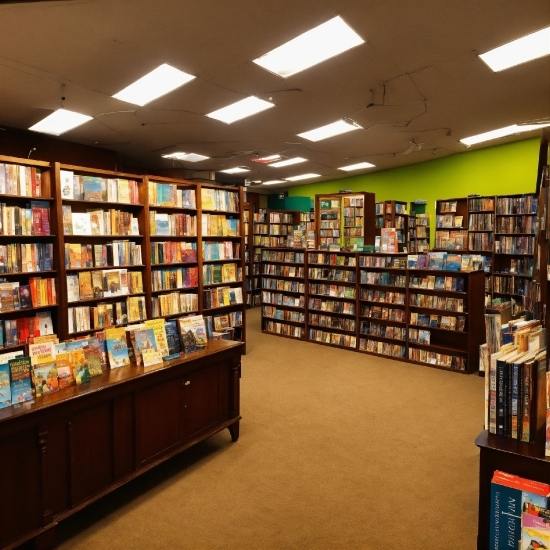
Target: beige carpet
[{"x": 337, "y": 450}]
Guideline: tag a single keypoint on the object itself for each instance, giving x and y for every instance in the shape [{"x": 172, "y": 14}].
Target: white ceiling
[{"x": 422, "y": 53}]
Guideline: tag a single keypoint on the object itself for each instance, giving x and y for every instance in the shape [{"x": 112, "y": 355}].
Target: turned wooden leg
[{"x": 234, "y": 431}]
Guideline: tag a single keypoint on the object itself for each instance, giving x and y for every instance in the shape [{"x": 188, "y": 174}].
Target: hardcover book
[
  {"x": 93, "y": 189},
  {"x": 157, "y": 325},
  {"x": 66, "y": 182},
  {"x": 144, "y": 341}
]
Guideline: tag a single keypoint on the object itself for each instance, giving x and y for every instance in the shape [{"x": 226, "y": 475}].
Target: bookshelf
[
  {"x": 514, "y": 247},
  {"x": 332, "y": 298},
  {"x": 383, "y": 305},
  {"x": 283, "y": 292},
  {"x": 281, "y": 223},
  {"x": 307, "y": 221},
  {"x": 248, "y": 212},
  {"x": 223, "y": 284},
  {"x": 419, "y": 228},
  {"x": 29, "y": 257},
  {"x": 328, "y": 220},
  {"x": 451, "y": 229},
  {"x": 393, "y": 214},
  {"x": 260, "y": 235},
  {"x": 103, "y": 211}
]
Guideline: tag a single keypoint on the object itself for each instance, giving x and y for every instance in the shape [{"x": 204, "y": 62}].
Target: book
[
  {"x": 81, "y": 223},
  {"x": 66, "y": 183},
  {"x": 157, "y": 325},
  {"x": 45, "y": 378},
  {"x": 92, "y": 354},
  {"x": 93, "y": 189},
  {"x": 20, "y": 374},
  {"x": 41, "y": 353},
  {"x": 117, "y": 350},
  {"x": 187, "y": 335},
  {"x": 144, "y": 341},
  {"x": 172, "y": 337},
  {"x": 5, "y": 389}
]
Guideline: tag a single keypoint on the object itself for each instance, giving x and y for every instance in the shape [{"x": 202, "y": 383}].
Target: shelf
[
  {"x": 433, "y": 347},
  {"x": 6, "y": 196},
  {"x": 173, "y": 237},
  {"x": 220, "y": 237},
  {"x": 436, "y": 366},
  {"x": 90, "y": 300},
  {"x": 173, "y": 208},
  {"x": 107, "y": 267},
  {"x": 391, "y": 340},
  {"x": 440, "y": 310},
  {"x": 503, "y": 274},
  {"x": 283, "y": 335},
  {"x": 26, "y": 309},
  {"x": 115, "y": 237},
  {"x": 27, "y": 273},
  {"x": 172, "y": 264},
  {"x": 103, "y": 203},
  {"x": 237, "y": 213},
  {"x": 281, "y": 276},
  {"x": 445, "y": 330},
  {"x": 176, "y": 314},
  {"x": 385, "y": 321},
  {"x": 396, "y": 288},
  {"x": 227, "y": 283},
  {"x": 332, "y": 329},
  {"x": 28, "y": 237},
  {"x": 226, "y": 261},
  {"x": 299, "y": 323},
  {"x": 296, "y": 308},
  {"x": 217, "y": 308},
  {"x": 332, "y": 297},
  {"x": 325, "y": 312},
  {"x": 171, "y": 290}
]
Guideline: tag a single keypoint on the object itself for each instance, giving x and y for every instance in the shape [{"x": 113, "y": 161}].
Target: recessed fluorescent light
[
  {"x": 519, "y": 51},
  {"x": 59, "y": 122},
  {"x": 502, "y": 132},
  {"x": 273, "y": 182},
  {"x": 310, "y": 48},
  {"x": 189, "y": 157},
  {"x": 157, "y": 83},
  {"x": 357, "y": 166},
  {"x": 303, "y": 177},
  {"x": 236, "y": 170},
  {"x": 333, "y": 129},
  {"x": 288, "y": 162},
  {"x": 242, "y": 109}
]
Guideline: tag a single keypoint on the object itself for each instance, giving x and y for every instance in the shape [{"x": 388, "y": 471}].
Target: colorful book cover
[
  {"x": 20, "y": 373},
  {"x": 151, "y": 357},
  {"x": 93, "y": 190},
  {"x": 199, "y": 329},
  {"x": 66, "y": 179},
  {"x": 172, "y": 337},
  {"x": 81, "y": 223},
  {"x": 41, "y": 353},
  {"x": 65, "y": 372},
  {"x": 85, "y": 285},
  {"x": 162, "y": 226},
  {"x": 144, "y": 340},
  {"x": 535, "y": 532},
  {"x": 187, "y": 335},
  {"x": 92, "y": 354},
  {"x": 5, "y": 389},
  {"x": 158, "y": 327},
  {"x": 117, "y": 350},
  {"x": 25, "y": 300},
  {"x": 45, "y": 379},
  {"x": 453, "y": 262}
]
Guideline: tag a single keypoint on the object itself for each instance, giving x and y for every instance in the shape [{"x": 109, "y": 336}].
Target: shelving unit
[
  {"x": 419, "y": 228},
  {"x": 393, "y": 214},
  {"x": 328, "y": 220},
  {"x": 248, "y": 213},
  {"x": 29, "y": 251},
  {"x": 451, "y": 229},
  {"x": 283, "y": 292},
  {"x": 281, "y": 223},
  {"x": 260, "y": 236}
]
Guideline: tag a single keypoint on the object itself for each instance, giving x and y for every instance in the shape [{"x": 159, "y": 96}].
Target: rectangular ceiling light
[
  {"x": 59, "y": 122},
  {"x": 242, "y": 109},
  {"x": 303, "y": 177},
  {"x": 160, "y": 81},
  {"x": 357, "y": 166},
  {"x": 273, "y": 182},
  {"x": 519, "y": 51},
  {"x": 287, "y": 162},
  {"x": 310, "y": 48},
  {"x": 189, "y": 157},
  {"x": 330, "y": 130},
  {"x": 502, "y": 132},
  {"x": 237, "y": 170}
]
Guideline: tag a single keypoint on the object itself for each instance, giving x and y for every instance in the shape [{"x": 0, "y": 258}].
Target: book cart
[{"x": 29, "y": 251}]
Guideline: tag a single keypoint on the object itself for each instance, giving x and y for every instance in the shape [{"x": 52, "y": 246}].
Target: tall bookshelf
[
  {"x": 393, "y": 214},
  {"x": 260, "y": 237},
  {"x": 248, "y": 212},
  {"x": 29, "y": 252},
  {"x": 451, "y": 228},
  {"x": 328, "y": 220},
  {"x": 419, "y": 228},
  {"x": 281, "y": 224}
]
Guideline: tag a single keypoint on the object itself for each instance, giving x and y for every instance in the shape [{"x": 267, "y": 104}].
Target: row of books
[
  {"x": 33, "y": 219},
  {"x": 519, "y": 266},
  {"x": 448, "y": 221},
  {"x": 284, "y": 314},
  {"x": 282, "y": 285},
  {"x": 283, "y": 270},
  {"x": 441, "y": 359},
  {"x": 419, "y": 336},
  {"x": 481, "y": 204},
  {"x": 284, "y": 230},
  {"x": 517, "y": 205},
  {"x": 334, "y": 338},
  {"x": 447, "y": 206},
  {"x": 16, "y": 179},
  {"x": 220, "y": 250},
  {"x": 337, "y": 291},
  {"x": 106, "y": 314},
  {"x": 451, "y": 240},
  {"x": 280, "y": 256},
  {"x": 356, "y": 202},
  {"x": 167, "y": 252},
  {"x": 383, "y": 278},
  {"x": 219, "y": 225},
  {"x": 511, "y": 285},
  {"x": 39, "y": 292},
  {"x": 481, "y": 222},
  {"x": 517, "y": 224},
  {"x": 431, "y": 282},
  {"x": 162, "y": 224},
  {"x": 333, "y": 306},
  {"x": 174, "y": 278},
  {"x": 26, "y": 257},
  {"x": 379, "y": 312},
  {"x": 15, "y": 332},
  {"x": 446, "y": 322},
  {"x": 172, "y": 195},
  {"x": 480, "y": 242},
  {"x": 331, "y": 259},
  {"x": 221, "y": 273},
  {"x": 93, "y": 188},
  {"x": 331, "y": 274},
  {"x": 330, "y": 233},
  {"x": 382, "y": 348},
  {"x": 113, "y": 254},
  {"x": 446, "y": 261},
  {"x": 222, "y": 297},
  {"x": 106, "y": 283},
  {"x": 436, "y": 302},
  {"x": 219, "y": 199},
  {"x": 327, "y": 321},
  {"x": 99, "y": 222},
  {"x": 281, "y": 217},
  {"x": 514, "y": 245},
  {"x": 174, "y": 303},
  {"x": 284, "y": 329},
  {"x": 375, "y": 295},
  {"x": 261, "y": 229},
  {"x": 277, "y": 298},
  {"x": 394, "y": 262},
  {"x": 383, "y": 331}
]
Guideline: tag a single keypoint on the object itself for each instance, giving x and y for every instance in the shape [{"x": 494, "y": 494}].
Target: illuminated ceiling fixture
[
  {"x": 303, "y": 177},
  {"x": 160, "y": 81},
  {"x": 502, "y": 132},
  {"x": 237, "y": 170},
  {"x": 266, "y": 160},
  {"x": 273, "y": 182},
  {"x": 519, "y": 51},
  {"x": 59, "y": 122},
  {"x": 310, "y": 48},
  {"x": 189, "y": 157},
  {"x": 330, "y": 130},
  {"x": 241, "y": 109},
  {"x": 288, "y": 162},
  {"x": 357, "y": 166}
]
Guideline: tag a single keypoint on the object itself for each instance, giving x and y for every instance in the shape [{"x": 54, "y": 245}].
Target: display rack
[{"x": 451, "y": 229}]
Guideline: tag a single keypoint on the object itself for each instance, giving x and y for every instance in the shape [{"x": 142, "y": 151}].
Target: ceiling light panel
[
  {"x": 287, "y": 162},
  {"x": 519, "y": 51},
  {"x": 310, "y": 48},
  {"x": 502, "y": 132},
  {"x": 273, "y": 182},
  {"x": 303, "y": 177},
  {"x": 357, "y": 166},
  {"x": 330, "y": 130},
  {"x": 59, "y": 122},
  {"x": 161, "y": 81},
  {"x": 237, "y": 170},
  {"x": 242, "y": 109},
  {"x": 189, "y": 157}
]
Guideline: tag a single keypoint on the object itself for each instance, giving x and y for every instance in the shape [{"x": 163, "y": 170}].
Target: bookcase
[
  {"x": 451, "y": 229},
  {"x": 283, "y": 292},
  {"x": 393, "y": 214},
  {"x": 344, "y": 219},
  {"x": 307, "y": 221},
  {"x": 515, "y": 243},
  {"x": 332, "y": 298},
  {"x": 383, "y": 305},
  {"x": 281, "y": 223},
  {"x": 248, "y": 212},
  {"x": 419, "y": 228},
  {"x": 260, "y": 235},
  {"x": 29, "y": 257}
]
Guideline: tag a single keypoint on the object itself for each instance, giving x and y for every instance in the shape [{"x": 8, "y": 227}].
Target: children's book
[
  {"x": 66, "y": 182},
  {"x": 146, "y": 347},
  {"x": 20, "y": 373},
  {"x": 172, "y": 337},
  {"x": 41, "y": 353},
  {"x": 65, "y": 372},
  {"x": 92, "y": 188},
  {"x": 117, "y": 350},
  {"x": 92, "y": 354},
  {"x": 77, "y": 359},
  {"x": 157, "y": 325},
  {"x": 5, "y": 389},
  {"x": 187, "y": 335},
  {"x": 45, "y": 379},
  {"x": 81, "y": 223},
  {"x": 45, "y": 325}
]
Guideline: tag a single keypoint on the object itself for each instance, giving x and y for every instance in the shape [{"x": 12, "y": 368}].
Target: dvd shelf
[
  {"x": 393, "y": 214},
  {"x": 451, "y": 230}
]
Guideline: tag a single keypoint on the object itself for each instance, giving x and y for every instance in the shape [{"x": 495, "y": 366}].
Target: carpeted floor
[{"x": 337, "y": 450}]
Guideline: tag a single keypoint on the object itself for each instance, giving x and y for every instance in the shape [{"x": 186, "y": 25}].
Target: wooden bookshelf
[
  {"x": 451, "y": 227},
  {"x": 419, "y": 228},
  {"x": 393, "y": 214},
  {"x": 248, "y": 212}
]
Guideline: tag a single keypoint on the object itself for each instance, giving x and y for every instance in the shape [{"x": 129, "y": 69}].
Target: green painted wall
[{"x": 500, "y": 170}]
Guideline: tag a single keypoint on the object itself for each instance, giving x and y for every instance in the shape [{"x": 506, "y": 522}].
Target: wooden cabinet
[{"x": 64, "y": 451}]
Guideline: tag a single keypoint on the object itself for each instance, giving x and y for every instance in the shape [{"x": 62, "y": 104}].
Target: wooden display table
[
  {"x": 67, "y": 449},
  {"x": 509, "y": 455}
]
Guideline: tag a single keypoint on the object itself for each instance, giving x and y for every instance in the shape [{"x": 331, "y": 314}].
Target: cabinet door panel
[
  {"x": 91, "y": 451},
  {"x": 158, "y": 412}
]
